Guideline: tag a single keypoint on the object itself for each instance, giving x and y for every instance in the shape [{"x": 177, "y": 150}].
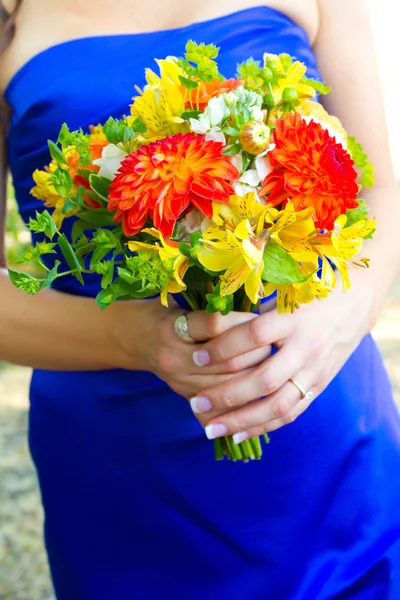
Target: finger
[
  {"x": 259, "y": 382},
  {"x": 204, "y": 327},
  {"x": 238, "y": 363},
  {"x": 265, "y": 415},
  {"x": 251, "y": 334}
]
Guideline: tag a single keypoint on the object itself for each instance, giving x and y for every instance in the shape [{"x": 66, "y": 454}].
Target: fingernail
[
  {"x": 215, "y": 431},
  {"x": 200, "y": 404},
  {"x": 201, "y": 358},
  {"x": 240, "y": 437}
]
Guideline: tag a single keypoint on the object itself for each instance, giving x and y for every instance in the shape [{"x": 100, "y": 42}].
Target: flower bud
[
  {"x": 254, "y": 137},
  {"x": 272, "y": 66},
  {"x": 267, "y": 74},
  {"x": 289, "y": 95}
]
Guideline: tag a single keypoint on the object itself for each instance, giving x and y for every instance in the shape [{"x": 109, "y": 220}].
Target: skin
[{"x": 314, "y": 342}]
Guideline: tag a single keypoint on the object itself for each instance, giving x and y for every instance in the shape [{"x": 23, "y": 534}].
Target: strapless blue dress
[{"x": 136, "y": 506}]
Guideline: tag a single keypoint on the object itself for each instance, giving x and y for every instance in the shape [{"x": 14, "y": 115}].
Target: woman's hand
[
  {"x": 313, "y": 344},
  {"x": 162, "y": 352}
]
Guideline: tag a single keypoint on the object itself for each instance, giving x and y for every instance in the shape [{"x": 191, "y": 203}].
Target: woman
[{"x": 135, "y": 504}]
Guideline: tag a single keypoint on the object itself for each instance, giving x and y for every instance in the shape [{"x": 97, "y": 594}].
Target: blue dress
[{"x": 136, "y": 507}]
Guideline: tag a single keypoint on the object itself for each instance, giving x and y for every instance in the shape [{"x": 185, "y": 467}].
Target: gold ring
[{"x": 305, "y": 395}]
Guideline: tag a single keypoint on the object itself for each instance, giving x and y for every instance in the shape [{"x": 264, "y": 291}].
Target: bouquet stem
[{"x": 247, "y": 450}]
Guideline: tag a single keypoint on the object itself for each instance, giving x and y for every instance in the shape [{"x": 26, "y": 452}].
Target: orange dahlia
[
  {"x": 311, "y": 169},
  {"x": 200, "y": 96},
  {"x": 164, "y": 178}
]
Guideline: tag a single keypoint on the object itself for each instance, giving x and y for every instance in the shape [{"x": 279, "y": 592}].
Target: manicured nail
[
  {"x": 215, "y": 431},
  {"x": 201, "y": 358},
  {"x": 200, "y": 404},
  {"x": 240, "y": 437}
]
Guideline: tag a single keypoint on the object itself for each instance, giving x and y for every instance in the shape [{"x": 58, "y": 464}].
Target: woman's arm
[
  {"x": 318, "y": 338},
  {"x": 346, "y": 57}
]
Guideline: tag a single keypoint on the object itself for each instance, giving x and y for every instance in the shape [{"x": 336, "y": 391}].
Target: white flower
[
  {"x": 241, "y": 189},
  {"x": 331, "y": 130},
  {"x": 237, "y": 161},
  {"x": 110, "y": 161},
  {"x": 262, "y": 163},
  {"x": 215, "y": 135},
  {"x": 189, "y": 224}
]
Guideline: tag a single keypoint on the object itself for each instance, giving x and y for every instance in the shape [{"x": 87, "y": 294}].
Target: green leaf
[
  {"x": 357, "y": 152},
  {"x": 108, "y": 277},
  {"x": 107, "y": 297},
  {"x": 24, "y": 282},
  {"x": 51, "y": 276},
  {"x": 56, "y": 154},
  {"x": 43, "y": 224},
  {"x": 232, "y": 150},
  {"x": 139, "y": 126},
  {"x": 286, "y": 61},
  {"x": 185, "y": 249},
  {"x": 195, "y": 238},
  {"x": 368, "y": 176},
  {"x": 35, "y": 252},
  {"x": 318, "y": 86},
  {"x": 97, "y": 217},
  {"x": 70, "y": 256},
  {"x": 126, "y": 275},
  {"x": 357, "y": 214},
  {"x": 191, "y": 114},
  {"x": 230, "y": 131},
  {"x": 188, "y": 83},
  {"x": 279, "y": 266},
  {"x": 100, "y": 186},
  {"x": 62, "y": 182}
]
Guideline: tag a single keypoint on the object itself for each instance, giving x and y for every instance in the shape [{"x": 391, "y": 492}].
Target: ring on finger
[
  {"x": 181, "y": 327},
  {"x": 305, "y": 394}
]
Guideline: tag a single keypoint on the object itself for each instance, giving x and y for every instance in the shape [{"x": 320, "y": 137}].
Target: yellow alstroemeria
[
  {"x": 46, "y": 192},
  {"x": 167, "y": 251},
  {"x": 291, "y": 78},
  {"x": 293, "y": 230},
  {"x": 240, "y": 208},
  {"x": 290, "y": 296},
  {"x": 343, "y": 244},
  {"x": 161, "y": 103},
  {"x": 239, "y": 254}
]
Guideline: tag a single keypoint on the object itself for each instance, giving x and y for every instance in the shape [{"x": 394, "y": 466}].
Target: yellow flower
[
  {"x": 293, "y": 230},
  {"x": 290, "y": 78},
  {"x": 315, "y": 109},
  {"x": 290, "y": 296},
  {"x": 45, "y": 191},
  {"x": 169, "y": 254},
  {"x": 239, "y": 254},
  {"x": 162, "y": 102},
  {"x": 343, "y": 244},
  {"x": 240, "y": 208}
]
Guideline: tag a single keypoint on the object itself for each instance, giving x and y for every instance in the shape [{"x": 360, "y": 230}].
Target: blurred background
[{"x": 23, "y": 568}]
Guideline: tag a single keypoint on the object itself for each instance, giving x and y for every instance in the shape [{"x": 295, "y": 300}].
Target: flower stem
[
  {"x": 191, "y": 301},
  {"x": 218, "y": 451}
]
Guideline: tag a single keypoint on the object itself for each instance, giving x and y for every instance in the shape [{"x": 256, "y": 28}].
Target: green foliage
[
  {"x": 217, "y": 303},
  {"x": 123, "y": 133},
  {"x": 199, "y": 63},
  {"x": 43, "y": 224},
  {"x": 76, "y": 139},
  {"x": 320, "y": 87},
  {"x": 357, "y": 214},
  {"x": 279, "y": 266},
  {"x": 361, "y": 161}
]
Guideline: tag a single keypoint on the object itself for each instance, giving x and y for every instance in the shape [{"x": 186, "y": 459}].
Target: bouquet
[{"x": 222, "y": 191}]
